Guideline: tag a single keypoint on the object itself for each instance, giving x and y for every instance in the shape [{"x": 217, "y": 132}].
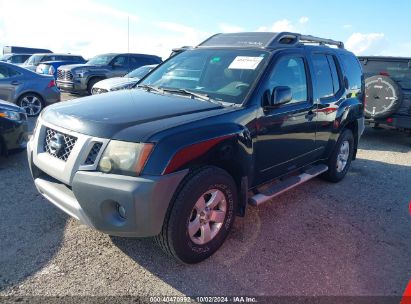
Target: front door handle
[
  {"x": 15, "y": 82},
  {"x": 310, "y": 115}
]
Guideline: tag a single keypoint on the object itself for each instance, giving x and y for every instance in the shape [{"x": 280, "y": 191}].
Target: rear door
[
  {"x": 9, "y": 82},
  {"x": 328, "y": 93}
]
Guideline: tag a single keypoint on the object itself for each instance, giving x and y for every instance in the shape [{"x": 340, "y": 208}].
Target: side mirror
[
  {"x": 117, "y": 65},
  {"x": 281, "y": 95}
]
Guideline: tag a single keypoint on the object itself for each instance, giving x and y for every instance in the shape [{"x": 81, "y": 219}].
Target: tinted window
[
  {"x": 290, "y": 72},
  {"x": 352, "y": 71},
  {"x": 322, "y": 74},
  {"x": 4, "y": 72},
  {"x": 397, "y": 70},
  {"x": 120, "y": 60},
  {"x": 334, "y": 73}
]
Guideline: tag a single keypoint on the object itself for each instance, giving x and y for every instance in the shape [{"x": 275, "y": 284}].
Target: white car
[{"x": 122, "y": 83}]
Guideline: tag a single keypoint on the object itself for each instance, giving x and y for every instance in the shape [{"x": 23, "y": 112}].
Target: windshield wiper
[
  {"x": 150, "y": 88},
  {"x": 193, "y": 95}
]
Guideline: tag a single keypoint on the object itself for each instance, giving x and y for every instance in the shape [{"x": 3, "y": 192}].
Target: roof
[
  {"x": 384, "y": 57},
  {"x": 267, "y": 40}
]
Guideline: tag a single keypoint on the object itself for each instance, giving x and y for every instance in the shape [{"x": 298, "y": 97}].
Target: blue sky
[{"x": 90, "y": 27}]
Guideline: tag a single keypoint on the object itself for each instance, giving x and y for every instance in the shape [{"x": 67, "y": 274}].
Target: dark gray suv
[{"x": 80, "y": 78}]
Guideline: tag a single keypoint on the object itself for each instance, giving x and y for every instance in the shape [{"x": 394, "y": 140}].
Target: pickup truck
[{"x": 233, "y": 122}]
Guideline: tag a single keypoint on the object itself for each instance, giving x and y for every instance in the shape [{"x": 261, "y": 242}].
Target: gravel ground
[{"x": 350, "y": 238}]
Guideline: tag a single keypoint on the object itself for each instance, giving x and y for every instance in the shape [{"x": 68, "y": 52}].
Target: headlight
[
  {"x": 125, "y": 158},
  {"x": 10, "y": 115},
  {"x": 122, "y": 87},
  {"x": 80, "y": 72}
]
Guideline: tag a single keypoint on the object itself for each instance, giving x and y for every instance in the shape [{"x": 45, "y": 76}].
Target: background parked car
[
  {"x": 13, "y": 127},
  {"x": 388, "y": 91},
  {"x": 8, "y": 49},
  {"x": 122, "y": 83},
  {"x": 80, "y": 78},
  {"x": 50, "y": 67},
  {"x": 34, "y": 60},
  {"x": 15, "y": 58},
  {"x": 27, "y": 89}
]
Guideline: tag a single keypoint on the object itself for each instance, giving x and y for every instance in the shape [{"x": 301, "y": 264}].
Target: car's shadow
[
  {"x": 380, "y": 139},
  {"x": 318, "y": 239},
  {"x": 31, "y": 230}
]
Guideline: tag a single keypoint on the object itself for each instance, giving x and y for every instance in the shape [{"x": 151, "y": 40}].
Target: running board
[{"x": 286, "y": 185}]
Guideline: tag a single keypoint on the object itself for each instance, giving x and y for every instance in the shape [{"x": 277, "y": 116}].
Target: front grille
[
  {"x": 64, "y": 75},
  {"x": 91, "y": 158},
  {"x": 95, "y": 91},
  {"x": 67, "y": 144}
]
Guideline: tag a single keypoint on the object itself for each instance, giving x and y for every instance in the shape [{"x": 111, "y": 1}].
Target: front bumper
[
  {"x": 77, "y": 85},
  {"x": 93, "y": 197}
]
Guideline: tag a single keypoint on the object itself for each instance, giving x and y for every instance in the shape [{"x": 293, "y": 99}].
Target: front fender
[{"x": 225, "y": 145}]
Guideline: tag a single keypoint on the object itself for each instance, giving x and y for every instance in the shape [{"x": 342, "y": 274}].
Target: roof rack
[{"x": 265, "y": 40}]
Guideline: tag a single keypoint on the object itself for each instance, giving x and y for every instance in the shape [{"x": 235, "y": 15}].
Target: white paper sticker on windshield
[{"x": 245, "y": 63}]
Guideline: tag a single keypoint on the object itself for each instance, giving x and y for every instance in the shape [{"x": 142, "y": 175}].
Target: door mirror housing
[{"x": 281, "y": 95}]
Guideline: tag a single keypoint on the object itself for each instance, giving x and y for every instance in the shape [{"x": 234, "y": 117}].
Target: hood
[
  {"x": 83, "y": 65},
  {"x": 110, "y": 83},
  {"x": 8, "y": 106},
  {"x": 107, "y": 114}
]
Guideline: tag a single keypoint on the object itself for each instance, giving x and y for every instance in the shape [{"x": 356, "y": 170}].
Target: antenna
[{"x": 128, "y": 44}]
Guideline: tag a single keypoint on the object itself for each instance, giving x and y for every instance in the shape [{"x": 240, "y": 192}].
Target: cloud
[
  {"x": 367, "y": 44},
  {"x": 230, "y": 28},
  {"x": 303, "y": 20},
  {"x": 94, "y": 29},
  {"x": 347, "y": 26},
  {"x": 283, "y": 25}
]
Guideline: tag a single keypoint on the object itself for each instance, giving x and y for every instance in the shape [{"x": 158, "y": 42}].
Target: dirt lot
[{"x": 351, "y": 238}]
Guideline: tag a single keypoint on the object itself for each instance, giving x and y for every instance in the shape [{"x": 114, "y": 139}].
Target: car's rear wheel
[
  {"x": 200, "y": 217},
  {"x": 32, "y": 103},
  {"x": 340, "y": 161}
]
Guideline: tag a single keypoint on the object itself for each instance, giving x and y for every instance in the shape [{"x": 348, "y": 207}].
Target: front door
[{"x": 286, "y": 133}]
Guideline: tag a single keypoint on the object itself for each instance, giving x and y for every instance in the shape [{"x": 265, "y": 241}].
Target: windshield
[
  {"x": 140, "y": 72},
  {"x": 101, "y": 60},
  {"x": 33, "y": 60},
  {"x": 223, "y": 75}
]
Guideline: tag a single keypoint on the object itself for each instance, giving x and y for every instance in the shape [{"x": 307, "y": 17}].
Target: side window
[
  {"x": 352, "y": 71},
  {"x": 120, "y": 60},
  {"x": 4, "y": 72},
  {"x": 12, "y": 72},
  {"x": 290, "y": 72},
  {"x": 334, "y": 73},
  {"x": 322, "y": 73}
]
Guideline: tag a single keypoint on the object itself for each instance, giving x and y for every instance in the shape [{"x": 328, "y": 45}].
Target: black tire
[
  {"x": 32, "y": 103},
  {"x": 91, "y": 83},
  {"x": 383, "y": 96},
  {"x": 334, "y": 173},
  {"x": 174, "y": 238}
]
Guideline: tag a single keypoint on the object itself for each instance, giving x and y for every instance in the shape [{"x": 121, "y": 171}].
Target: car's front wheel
[{"x": 201, "y": 216}]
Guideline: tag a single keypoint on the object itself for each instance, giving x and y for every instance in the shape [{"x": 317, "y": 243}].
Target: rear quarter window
[{"x": 352, "y": 70}]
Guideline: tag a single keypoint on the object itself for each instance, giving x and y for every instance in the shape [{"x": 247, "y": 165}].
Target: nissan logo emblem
[{"x": 56, "y": 144}]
